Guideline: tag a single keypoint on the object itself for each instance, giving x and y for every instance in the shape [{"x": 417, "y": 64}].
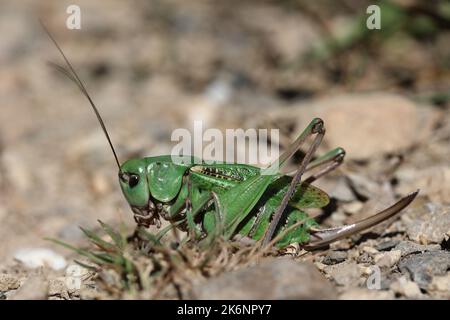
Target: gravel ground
[{"x": 154, "y": 66}]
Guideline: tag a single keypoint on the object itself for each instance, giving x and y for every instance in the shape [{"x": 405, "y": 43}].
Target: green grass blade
[
  {"x": 82, "y": 252},
  {"x": 148, "y": 236},
  {"x": 102, "y": 244},
  {"x": 86, "y": 266},
  {"x": 115, "y": 236}
]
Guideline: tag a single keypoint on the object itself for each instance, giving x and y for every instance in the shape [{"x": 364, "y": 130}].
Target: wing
[{"x": 305, "y": 196}]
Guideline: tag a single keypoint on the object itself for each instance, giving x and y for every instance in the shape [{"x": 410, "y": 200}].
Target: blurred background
[{"x": 154, "y": 66}]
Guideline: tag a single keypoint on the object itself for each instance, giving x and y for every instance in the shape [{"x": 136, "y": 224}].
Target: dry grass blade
[{"x": 144, "y": 266}]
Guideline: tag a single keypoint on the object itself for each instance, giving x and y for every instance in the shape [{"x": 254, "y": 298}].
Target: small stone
[
  {"x": 366, "y": 125},
  {"x": 271, "y": 279},
  {"x": 370, "y": 250},
  {"x": 353, "y": 254},
  {"x": 366, "y": 294},
  {"x": 344, "y": 273},
  {"x": 441, "y": 284},
  {"x": 365, "y": 270},
  {"x": 423, "y": 266},
  {"x": 320, "y": 266},
  {"x": 376, "y": 125},
  {"x": 335, "y": 257},
  {"x": 74, "y": 277},
  {"x": 387, "y": 259},
  {"x": 387, "y": 245},
  {"x": 9, "y": 282},
  {"x": 34, "y": 288},
  {"x": 433, "y": 181},
  {"x": 338, "y": 217},
  {"x": 406, "y": 288},
  {"x": 363, "y": 185},
  {"x": 58, "y": 288},
  {"x": 40, "y": 257},
  {"x": 431, "y": 227},
  {"x": 364, "y": 258},
  {"x": 408, "y": 247},
  {"x": 353, "y": 207},
  {"x": 337, "y": 187}
]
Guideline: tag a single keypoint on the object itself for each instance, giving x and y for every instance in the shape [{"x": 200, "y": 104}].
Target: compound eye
[{"x": 133, "y": 181}]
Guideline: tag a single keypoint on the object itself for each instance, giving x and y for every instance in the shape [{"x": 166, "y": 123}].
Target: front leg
[{"x": 193, "y": 230}]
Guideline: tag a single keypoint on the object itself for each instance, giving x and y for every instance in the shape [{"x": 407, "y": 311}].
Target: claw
[{"x": 320, "y": 238}]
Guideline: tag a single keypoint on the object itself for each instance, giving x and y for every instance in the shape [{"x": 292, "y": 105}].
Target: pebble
[
  {"x": 9, "y": 282},
  {"x": 363, "y": 185},
  {"x": 387, "y": 259},
  {"x": 337, "y": 187},
  {"x": 408, "y": 247},
  {"x": 370, "y": 250},
  {"x": 364, "y": 258},
  {"x": 74, "y": 276},
  {"x": 441, "y": 284},
  {"x": 406, "y": 288},
  {"x": 58, "y": 288},
  {"x": 423, "y": 266},
  {"x": 366, "y": 294},
  {"x": 40, "y": 257},
  {"x": 272, "y": 279},
  {"x": 365, "y": 270},
  {"x": 379, "y": 122},
  {"x": 321, "y": 266},
  {"x": 353, "y": 207},
  {"x": 34, "y": 288},
  {"x": 432, "y": 227},
  {"x": 375, "y": 123},
  {"x": 433, "y": 181},
  {"x": 387, "y": 245},
  {"x": 345, "y": 274},
  {"x": 335, "y": 257}
]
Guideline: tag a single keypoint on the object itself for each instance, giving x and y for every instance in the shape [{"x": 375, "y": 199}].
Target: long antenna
[{"x": 72, "y": 75}]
